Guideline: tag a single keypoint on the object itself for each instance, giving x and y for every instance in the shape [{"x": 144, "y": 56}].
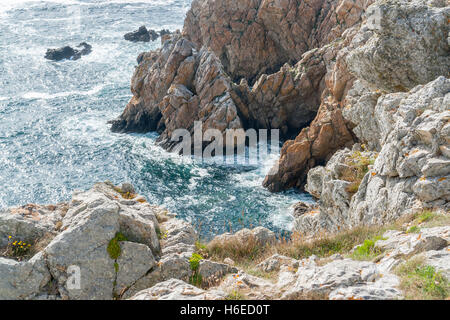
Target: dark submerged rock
[{"x": 68, "y": 52}]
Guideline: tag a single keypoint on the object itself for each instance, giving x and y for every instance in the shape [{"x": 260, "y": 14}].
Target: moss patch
[{"x": 114, "y": 249}]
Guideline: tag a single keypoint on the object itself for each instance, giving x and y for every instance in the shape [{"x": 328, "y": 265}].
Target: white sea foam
[
  {"x": 6, "y": 5},
  {"x": 46, "y": 96}
]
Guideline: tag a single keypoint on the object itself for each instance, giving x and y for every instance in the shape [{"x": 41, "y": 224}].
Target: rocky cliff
[
  {"x": 363, "y": 85},
  {"x": 236, "y": 66}
]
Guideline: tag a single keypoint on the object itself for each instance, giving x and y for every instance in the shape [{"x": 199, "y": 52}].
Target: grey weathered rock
[
  {"x": 212, "y": 272},
  {"x": 331, "y": 184},
  {"x": 384, "y": 289},
  {"x": 407, "y": 244},
  {"x": 275, "y": 262},
  {"x": 80, "y": 233},
  {"x": 135, "y": 261},
  {"x": 410, "y": 172},
  {"x": 175, "y": 289},
  {"x": 405, "y": 45},
  {"x": 23, "y": 280},
  {"x": 177, "y": 246},
  {"x": 259, "y": 235},
  {"x": 440, "y": 259},
  {"x": 335, "y": 275},
  {"x": 398, "y": 184}
]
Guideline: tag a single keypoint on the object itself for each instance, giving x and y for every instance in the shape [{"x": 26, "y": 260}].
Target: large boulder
[{"x": 175, "y": 289}]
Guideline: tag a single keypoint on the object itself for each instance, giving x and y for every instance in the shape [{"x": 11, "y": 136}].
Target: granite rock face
[
  {"x": 238, "y": 69},
  {"x": 405, "y": 45},
  {"x": 254, "y": 37},
  {"x": 79, "y": 237},
  {"x": 329, "y": 131},
  {"x": 176, "y": 86},
  {"x": 409, "y": 174},
  {"x": 398, "y": 46}
]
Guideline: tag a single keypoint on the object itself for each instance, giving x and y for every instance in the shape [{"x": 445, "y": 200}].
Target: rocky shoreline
[{"x": 125, "y": 248}]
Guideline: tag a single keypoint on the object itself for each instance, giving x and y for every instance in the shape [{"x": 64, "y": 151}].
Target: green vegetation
[
  {"x": 17, "y": 249},
  {"x": 233, "y": 248},
  {"x": 422, "y": 282},
  {"x": 114, "y": 249},
  {"x": 201, "y": 249},
  {"x": 194, "y": 261},
  {"x": 125, "y": 195},
  {"x": 248, "y": 254},
  {"x": 367, "y": 250},
  {"x": 329, "y": 244},
  {"x": 196, "y": 279},
  {"x": 413, "y": 229},
  {"x": 425, "y": 216},
  {"x": 428, "y": 219}
]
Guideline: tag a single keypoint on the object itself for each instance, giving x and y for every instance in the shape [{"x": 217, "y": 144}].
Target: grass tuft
[
  {"x": 367, "y": 251},
  {"x": 419, "y": 281}
]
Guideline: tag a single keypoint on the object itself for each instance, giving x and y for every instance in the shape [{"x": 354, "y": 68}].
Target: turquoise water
[{"x": 54, "y": 135}]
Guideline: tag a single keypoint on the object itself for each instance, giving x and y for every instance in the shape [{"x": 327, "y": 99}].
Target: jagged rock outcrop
[
  {"x": 142, "y": 35},
  {"x": 410, "y": 173},
  {"x": 412, "y": 169},
  {"x": 68, "y": 52},
  {"x": 328, "y": 132},
  {"x": 256, "y": 37},
  {"x": 176, "y": 86},
  {"x": 239, "y": 44},
  {"x": 393, "y": 50},
  {"x": 334, "y": 185}
]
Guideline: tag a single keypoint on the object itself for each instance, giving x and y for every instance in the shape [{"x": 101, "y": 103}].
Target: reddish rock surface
[{"x": 273, "y": 64}]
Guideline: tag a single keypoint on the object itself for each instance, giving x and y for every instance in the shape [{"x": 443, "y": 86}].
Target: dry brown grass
[
  {"x": 240, "y": 252},
  {"x": 250, "y": 253}
]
